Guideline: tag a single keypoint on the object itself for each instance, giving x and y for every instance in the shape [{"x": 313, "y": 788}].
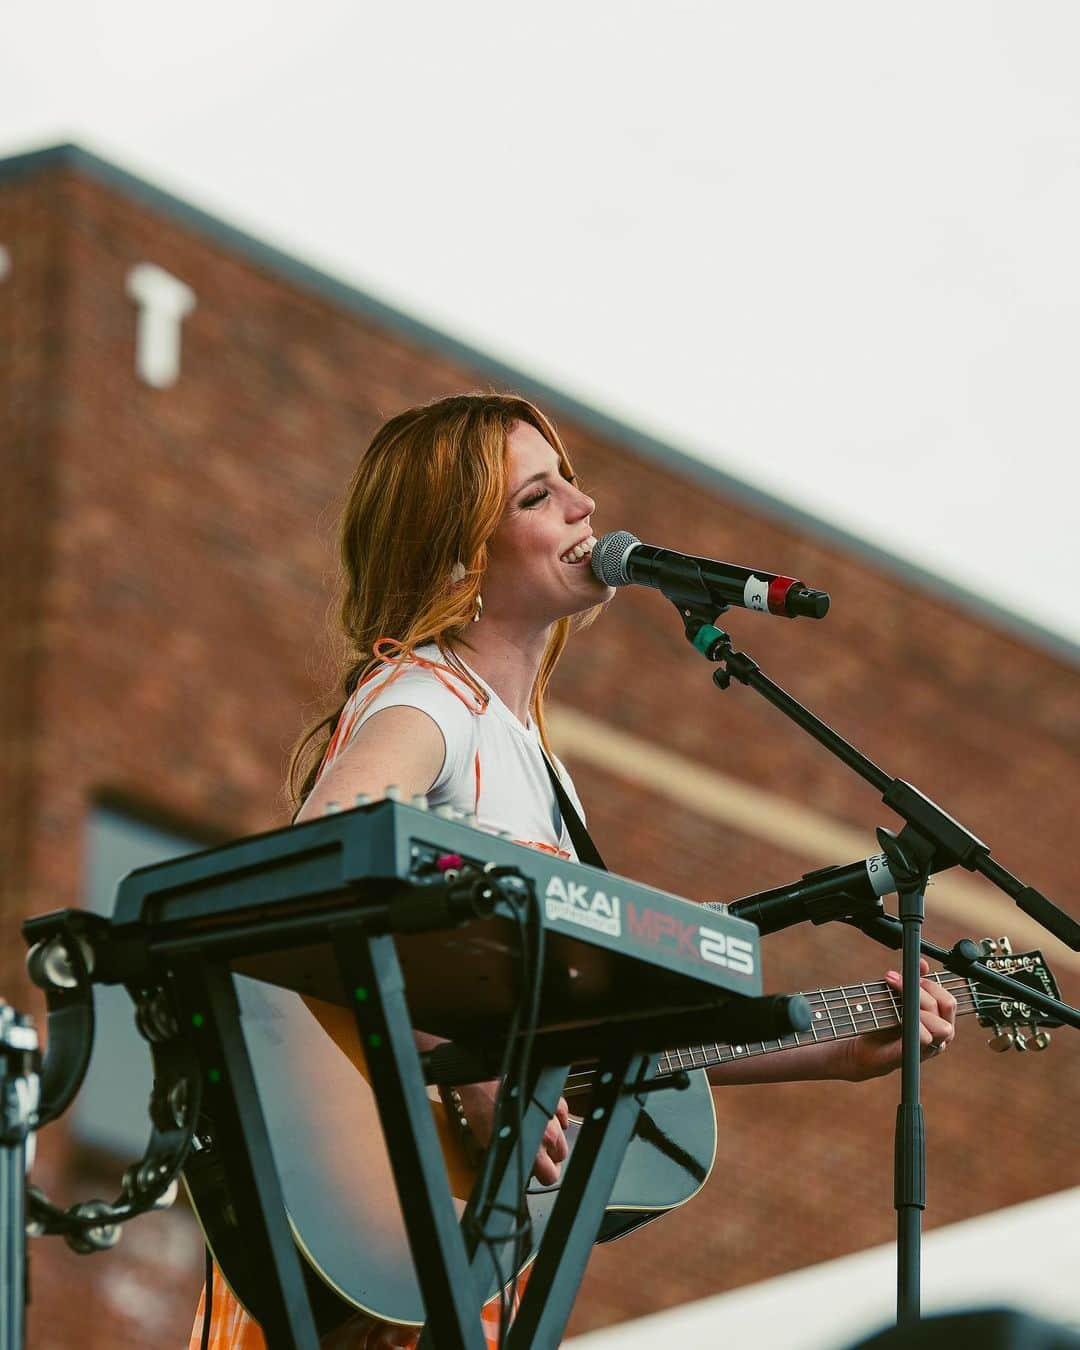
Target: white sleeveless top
[{"x": 493, "y": 765}]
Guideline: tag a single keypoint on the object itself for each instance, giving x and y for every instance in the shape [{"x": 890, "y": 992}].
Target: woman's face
[{"x": 530, "y": 579}]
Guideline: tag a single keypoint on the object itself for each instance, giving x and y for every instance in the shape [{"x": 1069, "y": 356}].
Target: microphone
[
  {"x": 620, "y": 559},
  {"x": 852, "y": 891}
]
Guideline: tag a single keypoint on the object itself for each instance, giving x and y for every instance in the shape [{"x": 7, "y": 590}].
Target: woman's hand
[
  {"x": 878, "y": 1052},
  {"x": 478, "y": 1099}
]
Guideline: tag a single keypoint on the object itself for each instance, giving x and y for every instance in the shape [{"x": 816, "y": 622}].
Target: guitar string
[
  {"x": 727, "y": 1053},
  {"x": 878, "y": 995},
  {"x": 860, "y": 1024},
  {"x": 968, "y": 1003}
]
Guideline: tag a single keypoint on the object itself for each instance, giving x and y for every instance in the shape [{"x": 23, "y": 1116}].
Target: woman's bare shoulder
[{"x": 397, "y": 746}]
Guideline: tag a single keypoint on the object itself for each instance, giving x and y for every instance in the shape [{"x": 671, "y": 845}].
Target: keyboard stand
[
  {"x": 309, "y": 908},
  {"x": 454, "y": 1271},
  {"x": 206, "y": 999}
]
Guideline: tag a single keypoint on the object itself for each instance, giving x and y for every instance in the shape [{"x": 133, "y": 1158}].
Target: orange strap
[{"x": 352, "y": 712}]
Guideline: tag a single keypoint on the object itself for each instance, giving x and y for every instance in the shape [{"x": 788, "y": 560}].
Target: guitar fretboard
[{"x": 836, "y": 1014}]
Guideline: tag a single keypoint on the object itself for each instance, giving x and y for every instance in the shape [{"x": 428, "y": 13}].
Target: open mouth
[{"x": 580, "y": 554}]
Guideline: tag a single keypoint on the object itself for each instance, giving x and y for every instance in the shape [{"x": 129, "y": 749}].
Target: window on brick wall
[{"x": 110, "y": 1110}]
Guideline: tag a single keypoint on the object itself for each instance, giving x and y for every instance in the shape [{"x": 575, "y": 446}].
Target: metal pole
[{"x": 19, "y": 1088}]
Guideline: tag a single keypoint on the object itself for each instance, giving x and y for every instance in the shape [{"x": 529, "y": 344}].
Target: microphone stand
[
  {"x": 930, "y": 841},
  {"x": 19, "y": 1090}
]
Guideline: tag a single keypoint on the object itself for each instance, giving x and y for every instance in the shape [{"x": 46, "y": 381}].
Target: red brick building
[{"x": 167, "y": 552}]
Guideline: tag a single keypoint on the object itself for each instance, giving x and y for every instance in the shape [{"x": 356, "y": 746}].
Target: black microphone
[
  {"x": 620, "y": 559},
  {"x": 852, "y": 891}
]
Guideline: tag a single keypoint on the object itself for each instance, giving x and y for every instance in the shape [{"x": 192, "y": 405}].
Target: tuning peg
[
  {"x": 392, "y": 792},
  {"x": 420, "y": 801},
  {"x": 1040, "y": 1040},
  {"x": 1004, "y": 1040},
  {"x": 469, "y": 818},
  {"x": 362, "y": 799},
  {"x": 445, "y": 812},
  {"x": 331, "y": 808},
  {"x": 1020, "y": 1043}
]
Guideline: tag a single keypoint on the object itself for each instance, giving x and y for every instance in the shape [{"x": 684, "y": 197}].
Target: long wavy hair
[{"x": 428, "y": 494}]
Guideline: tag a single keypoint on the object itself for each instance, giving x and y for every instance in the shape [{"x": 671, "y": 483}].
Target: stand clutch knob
[{"x": 766, "y": 1019}]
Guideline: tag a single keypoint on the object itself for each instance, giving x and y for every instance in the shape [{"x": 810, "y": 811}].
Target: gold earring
[{"x": 479, "y": 607}]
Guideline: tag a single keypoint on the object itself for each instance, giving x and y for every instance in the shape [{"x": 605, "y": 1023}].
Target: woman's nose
[{"x": 584, "y": 506}]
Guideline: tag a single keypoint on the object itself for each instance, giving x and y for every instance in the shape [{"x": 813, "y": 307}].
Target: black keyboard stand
[
  {"x": 311, "y": 908},
  {"x": 590, "y": 1177},
  {"x": 370, "y": 970},
  {"x": 206, "y": 1001},
  {"x": 454, "y": 1270}
]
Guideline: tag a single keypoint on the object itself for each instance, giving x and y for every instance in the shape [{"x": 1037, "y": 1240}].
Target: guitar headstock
[{"x": 1017, "y": 1025}]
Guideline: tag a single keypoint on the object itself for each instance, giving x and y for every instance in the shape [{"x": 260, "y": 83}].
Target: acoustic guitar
[{"x": 335, "y": 1173}]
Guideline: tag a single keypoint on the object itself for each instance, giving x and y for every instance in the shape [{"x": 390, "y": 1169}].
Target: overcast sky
[{"x": 831, "y": 247}]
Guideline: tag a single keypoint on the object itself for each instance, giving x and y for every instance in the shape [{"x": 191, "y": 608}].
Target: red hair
[{"x": 428, "y": 493}]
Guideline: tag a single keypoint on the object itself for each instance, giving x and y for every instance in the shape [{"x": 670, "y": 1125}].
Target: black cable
[
  {"x": 493, "y": 1241},
  {"x": 535, "y": 962},
  {"x": 532, "y": 965},
  {"x": 514, "y": 1068},
  {"x": 208, "y": 1299}
]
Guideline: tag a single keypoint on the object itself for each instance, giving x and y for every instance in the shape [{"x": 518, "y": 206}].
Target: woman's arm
[
  {"x": 855, "y": 1059},
  {"x": 398, "y": 745},
  {"x": 404, "y": 746}
]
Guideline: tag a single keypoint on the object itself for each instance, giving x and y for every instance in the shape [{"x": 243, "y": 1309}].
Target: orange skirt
[{"x": 231, "y": 1328}]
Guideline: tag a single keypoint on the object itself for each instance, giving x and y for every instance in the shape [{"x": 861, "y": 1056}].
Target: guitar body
[
  {"x": 335, "y": 1171},
  {"x": 338, "y": 1183}
]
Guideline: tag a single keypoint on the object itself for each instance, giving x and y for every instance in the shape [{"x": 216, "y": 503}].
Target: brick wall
[{"x": 171, "y": 553}]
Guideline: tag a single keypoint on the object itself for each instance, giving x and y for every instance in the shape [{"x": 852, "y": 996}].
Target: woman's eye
[{"x": 534, "y": 500}]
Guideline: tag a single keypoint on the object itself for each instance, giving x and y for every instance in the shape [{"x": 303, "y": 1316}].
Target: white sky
[{"x": 831, "y": 247}]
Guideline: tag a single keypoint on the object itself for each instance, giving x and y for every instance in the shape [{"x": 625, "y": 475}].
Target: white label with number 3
[{"x": 756, "y": 594}]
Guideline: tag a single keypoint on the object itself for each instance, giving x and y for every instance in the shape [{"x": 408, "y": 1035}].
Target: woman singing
[{"x": 465, "y": 544}]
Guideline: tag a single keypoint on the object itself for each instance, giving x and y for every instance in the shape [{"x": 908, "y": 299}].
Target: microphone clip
[
  {"x": 701, "y": 630},
  {"x": 715, "y": 644}
]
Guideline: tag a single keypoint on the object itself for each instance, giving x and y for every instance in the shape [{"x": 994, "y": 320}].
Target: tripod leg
[
  {"x": 207, "y": 1001},
  {"x": 590, "y": 1177},
  {"x": 371, "y": 972}
]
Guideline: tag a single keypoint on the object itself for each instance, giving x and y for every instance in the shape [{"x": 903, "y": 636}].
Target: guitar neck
[{"x": 836, "y": 1015}]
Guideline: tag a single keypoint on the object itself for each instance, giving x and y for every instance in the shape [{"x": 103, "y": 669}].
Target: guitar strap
[
  {"x": 646, "y": 1127},
  {"x": 586, "y": 850}
]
